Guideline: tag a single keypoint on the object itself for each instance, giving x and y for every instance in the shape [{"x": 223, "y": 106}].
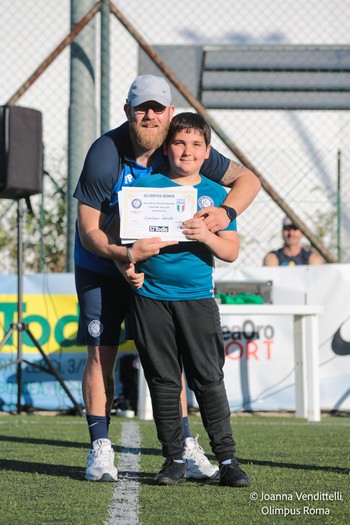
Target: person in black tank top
[{"x": 292, "y": 252}]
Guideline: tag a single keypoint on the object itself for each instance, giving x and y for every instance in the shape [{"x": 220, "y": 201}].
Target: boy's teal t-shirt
[{"x": 185, "y": 271}]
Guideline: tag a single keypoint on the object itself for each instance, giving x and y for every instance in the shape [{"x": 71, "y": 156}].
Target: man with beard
[{"x": 117, "y": 159}]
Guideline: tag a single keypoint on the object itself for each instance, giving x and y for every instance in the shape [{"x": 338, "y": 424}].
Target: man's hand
[
  {"x": 214, "y": 218},
  {"x": 144, "y": 248},
  {"x": 130, "y": 275}
]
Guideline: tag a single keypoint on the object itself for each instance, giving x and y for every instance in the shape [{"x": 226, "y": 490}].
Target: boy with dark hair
[{"x": 176, "y": 318}]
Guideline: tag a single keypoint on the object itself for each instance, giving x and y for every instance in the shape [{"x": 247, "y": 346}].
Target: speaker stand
[{"x": 21, "y": 327}]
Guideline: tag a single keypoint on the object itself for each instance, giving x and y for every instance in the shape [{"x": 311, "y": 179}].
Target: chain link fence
[{"x": 293, "y": 125}]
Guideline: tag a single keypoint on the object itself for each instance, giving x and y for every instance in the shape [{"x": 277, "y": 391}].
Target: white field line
[
  {"x": 124, "y": 509},
  {"x": 305, "y": 423}
]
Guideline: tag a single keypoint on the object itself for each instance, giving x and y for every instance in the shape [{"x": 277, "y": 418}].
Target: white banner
[
  {"x": 259, "y": 360},
  {"x": 326, "y": 285}
]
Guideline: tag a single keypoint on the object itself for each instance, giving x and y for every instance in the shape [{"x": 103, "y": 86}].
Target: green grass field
[{"x": 299, "y": 471}]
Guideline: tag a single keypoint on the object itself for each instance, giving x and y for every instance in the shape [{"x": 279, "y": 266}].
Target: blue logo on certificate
[{"x": 136, "y": 203}]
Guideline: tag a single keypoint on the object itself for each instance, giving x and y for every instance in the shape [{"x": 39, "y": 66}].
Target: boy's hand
[
  {"x": 135, "y": 279},
  {"x": 196, "y": 230},
  {"x": 130, "y": 275}
]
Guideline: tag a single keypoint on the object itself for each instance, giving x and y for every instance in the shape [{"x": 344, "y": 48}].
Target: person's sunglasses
[
  {"x": 290, "y": 227},
  {"x": 144, "y": 108}
]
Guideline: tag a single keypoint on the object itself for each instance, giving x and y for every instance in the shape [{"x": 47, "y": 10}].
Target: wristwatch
[{"x": 231, "y": 212}]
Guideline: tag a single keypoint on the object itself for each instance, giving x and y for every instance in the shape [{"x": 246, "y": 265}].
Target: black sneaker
[
  {"x": 171, "y": 473},
  {"x": 232, "y": 475}
]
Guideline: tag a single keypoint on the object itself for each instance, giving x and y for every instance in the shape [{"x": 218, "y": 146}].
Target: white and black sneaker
[
  {"x": 101, "y": 462},
  {"x": 198, "y": 465}
]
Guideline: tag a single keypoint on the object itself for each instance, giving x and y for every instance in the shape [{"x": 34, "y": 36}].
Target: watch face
[{"x": 231, "y": 213}]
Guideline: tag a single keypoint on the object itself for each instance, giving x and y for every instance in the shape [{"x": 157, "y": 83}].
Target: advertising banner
[
  {"x": 259, "y": 368},
  {"x": 50, "y": 309},
  {"x": 259, "y": 356}
]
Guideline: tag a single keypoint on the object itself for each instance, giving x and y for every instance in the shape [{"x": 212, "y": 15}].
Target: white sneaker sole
[{"x": 105, "y": 477}]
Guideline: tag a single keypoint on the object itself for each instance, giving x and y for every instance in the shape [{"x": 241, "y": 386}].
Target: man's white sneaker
[
  {"x": 101, "y": 462},
  {"x": 198, "y": 465},
  {"x": 125, "y": 413}
]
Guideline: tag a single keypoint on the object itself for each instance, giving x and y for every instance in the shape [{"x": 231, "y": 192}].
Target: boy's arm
[{"x": 224, "y": 245}]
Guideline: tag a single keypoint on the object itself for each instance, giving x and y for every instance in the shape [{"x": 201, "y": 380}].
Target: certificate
[{"x": 155, "y": 212}]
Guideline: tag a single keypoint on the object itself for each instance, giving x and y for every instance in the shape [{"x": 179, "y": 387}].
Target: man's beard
[{"x": 148, "y": 140}]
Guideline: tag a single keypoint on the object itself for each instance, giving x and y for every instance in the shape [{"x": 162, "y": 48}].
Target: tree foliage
[{"x": 43, "y": 231}]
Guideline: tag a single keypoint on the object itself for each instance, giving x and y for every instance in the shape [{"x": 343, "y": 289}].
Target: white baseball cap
[
  {"x": 149, "y": 87},
  {"x": 287, "y": 222}
]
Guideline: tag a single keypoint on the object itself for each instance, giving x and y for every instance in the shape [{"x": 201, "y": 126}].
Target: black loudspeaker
[{"x": 21, "y": 152}]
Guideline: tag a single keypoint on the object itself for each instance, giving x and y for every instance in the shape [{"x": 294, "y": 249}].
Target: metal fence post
[{"x": 82, "y": 112}]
